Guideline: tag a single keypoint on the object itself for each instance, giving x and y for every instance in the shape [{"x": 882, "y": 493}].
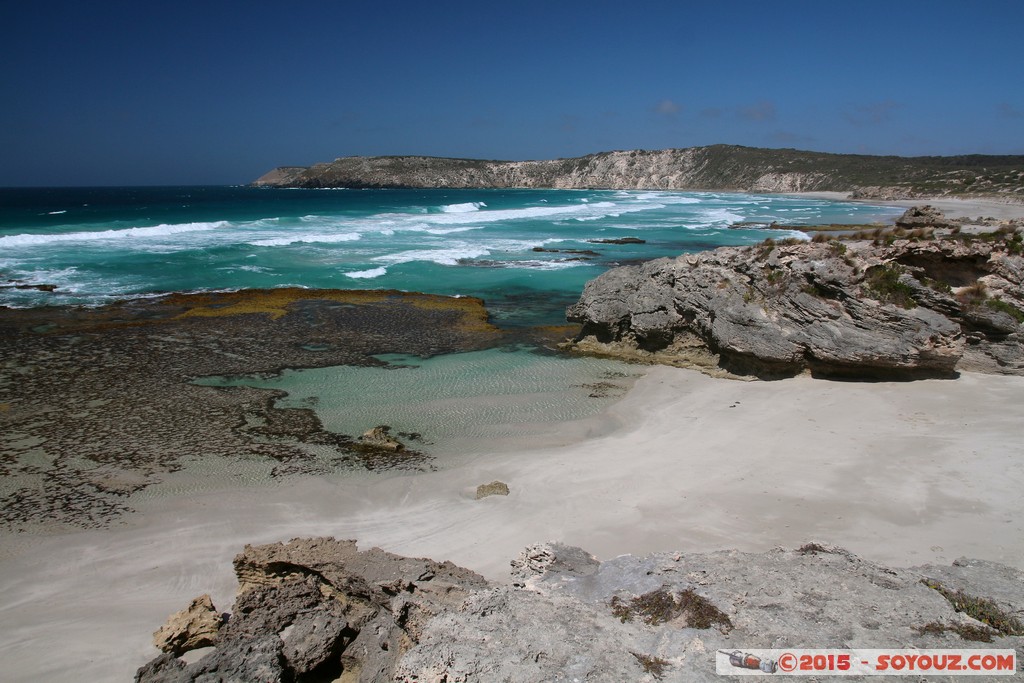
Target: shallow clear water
[
  {"x": 527, "y": 253},
  {"x": 464, "y": 403}
]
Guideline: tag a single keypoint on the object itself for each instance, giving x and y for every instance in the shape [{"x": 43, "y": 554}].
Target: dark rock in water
[
  {"x": 41, "y": 288},
  {"x": 896, "y": 310},
  {"x": 17, "y": 284},
  {"x": 581, "y": 252},
  {"x": 925, "y": 216},
  {"x": 320, "y": 610},
  {"x": 619, "y": 240},
  {"x": 495, "y": 488}
]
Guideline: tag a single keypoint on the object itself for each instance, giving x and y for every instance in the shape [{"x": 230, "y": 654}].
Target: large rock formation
[
  {"x": 314, "y": 609},
  {"x": 895, "y": 307},
  {"x": 319, "y": 610},
  {"x": 717, "y": 167}
]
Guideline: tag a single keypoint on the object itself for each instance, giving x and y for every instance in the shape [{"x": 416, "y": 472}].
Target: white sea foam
[
  {"x": 664, "y": 197},
  {"x": 721, "y": 216},
  {"x": 544, "y": 265},
  {"x": 31, "y": 240},
  {"x": 367, "y": 274},
  {"x": 466, "y": 207},
  {"x": 55, "y": 213},
  {"x": 63, "y": 278},
  {"x": 307, "y": 238},
  {"x": 442, "y": 231},
  {"x": 595, "y": 209},
  {"x": 445, "y": 257}
]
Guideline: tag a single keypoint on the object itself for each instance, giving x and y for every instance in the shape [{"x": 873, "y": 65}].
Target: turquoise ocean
[
  {"x": 101, "y": 244},
  {"x": 526, "y": 253}
]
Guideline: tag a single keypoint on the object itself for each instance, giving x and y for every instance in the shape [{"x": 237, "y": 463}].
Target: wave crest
[
  {"x": 31, "y": 240},
  {"x": 465, "y": 207}
]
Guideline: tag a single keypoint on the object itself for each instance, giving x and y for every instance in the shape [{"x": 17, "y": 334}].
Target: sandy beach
[
  {"x": 953, "y": 207},
  {"x": 900, "y": 473}
]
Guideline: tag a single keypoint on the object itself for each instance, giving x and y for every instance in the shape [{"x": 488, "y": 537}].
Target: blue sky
[{"x": 158, "y": 92}]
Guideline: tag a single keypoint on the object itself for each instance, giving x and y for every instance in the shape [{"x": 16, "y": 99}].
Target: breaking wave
[
  {"x": 465, "y": 207},
  {"x": 367, "y": 274},
  {"x": 30, "y": 240},
  {"x": 307, "y": 238}
]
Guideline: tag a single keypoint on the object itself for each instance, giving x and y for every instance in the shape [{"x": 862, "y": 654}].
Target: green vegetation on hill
[{"x": 724, "y": 167}]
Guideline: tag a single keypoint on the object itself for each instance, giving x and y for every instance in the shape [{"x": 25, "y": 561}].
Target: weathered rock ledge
[
  {"x": 320, "y": 610},
  {"x": 903, "y": 305}
]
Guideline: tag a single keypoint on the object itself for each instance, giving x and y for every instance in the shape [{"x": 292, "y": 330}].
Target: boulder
[
  {"x": 618, "y": 240},
  {"x": 495, "y": 488},
  {"x": 312, "y": 609},
  {"x": 925, "y": 216},
  {"x": 198, "y": 625},
  {"x": 380, "y": 438}
]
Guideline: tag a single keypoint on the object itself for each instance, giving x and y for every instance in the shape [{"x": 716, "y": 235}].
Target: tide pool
[{"x": 461, "y": 404}]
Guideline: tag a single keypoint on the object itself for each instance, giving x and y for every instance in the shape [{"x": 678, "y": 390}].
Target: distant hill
[{"x": 717, "y": 167}]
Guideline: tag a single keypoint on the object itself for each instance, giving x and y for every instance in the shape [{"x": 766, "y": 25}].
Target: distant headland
[{"x": 715, "y": 167}]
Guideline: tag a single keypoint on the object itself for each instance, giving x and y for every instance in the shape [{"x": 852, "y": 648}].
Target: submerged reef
[{"x": 100, "y": 403}]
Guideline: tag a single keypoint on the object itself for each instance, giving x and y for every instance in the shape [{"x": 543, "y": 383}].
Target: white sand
[
  {"x": 901, "y": 473},
  {"x": 952, "y": 207}
]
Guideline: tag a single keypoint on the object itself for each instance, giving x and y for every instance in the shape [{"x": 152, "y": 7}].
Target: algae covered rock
[{"x": 495, "y": 488}]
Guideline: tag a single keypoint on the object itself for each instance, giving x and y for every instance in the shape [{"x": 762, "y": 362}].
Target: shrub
[
  {"x": 883, "y": 282},
  {"x": 973, "y": 295},
  {"x": 1000, "y": 305},
  {"x": 812, "y": 548},
  {"x": 938, "y": 285},
  {"x": 653, "y": 665},
  {"x": 660, "y": 606},
  {"x": 978, "y": 634},
  {"x": 984, "y": 610}
]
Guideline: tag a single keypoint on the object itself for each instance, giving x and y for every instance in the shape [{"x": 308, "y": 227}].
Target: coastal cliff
[
  {"x": 320, "y": 609},
  {"x": 886, "y": 304},
  {"x": 715, "y": 167}
]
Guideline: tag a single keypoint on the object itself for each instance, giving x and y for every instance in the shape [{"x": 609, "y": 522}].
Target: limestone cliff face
[{"x": 717, "y": 167}]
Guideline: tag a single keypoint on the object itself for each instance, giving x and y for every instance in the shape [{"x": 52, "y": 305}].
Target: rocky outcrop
[
  {"x": 716, "y": 167},
  {"x": 193, "y": 627},
  {"x": 314, "y": 609},
  {"x": 380, "y": 438},
  {"x": 320, "y": 610},
  {"x": 895, "y": 308},
  {"x": 925, "y": 216}
]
